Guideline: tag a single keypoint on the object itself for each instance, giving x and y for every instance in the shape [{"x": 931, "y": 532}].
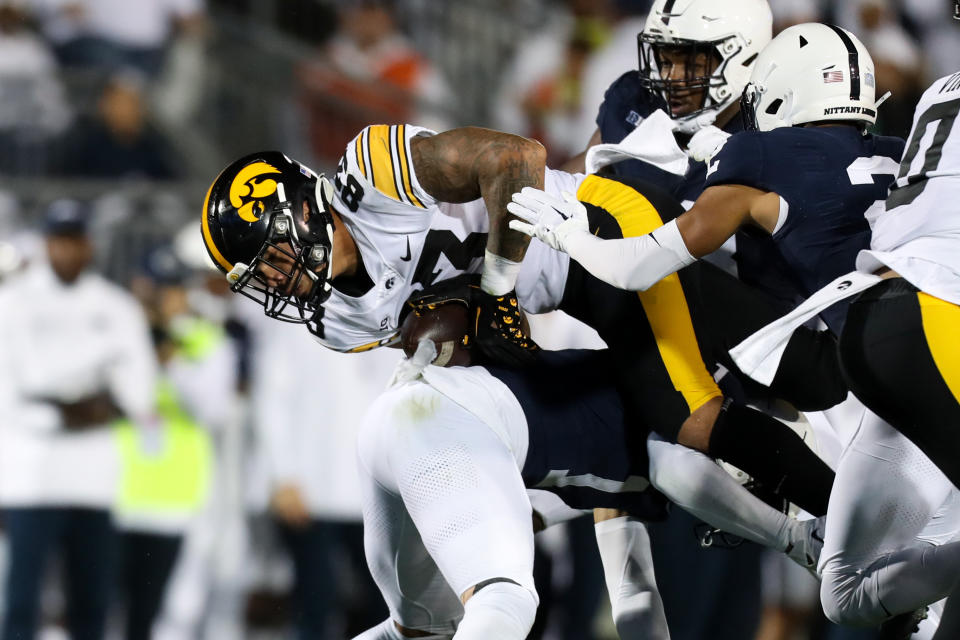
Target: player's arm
[
  {"x": 464, "y": 164},
  {"x": 638, "y": 263},
  {"x": 720, "y": 211}
]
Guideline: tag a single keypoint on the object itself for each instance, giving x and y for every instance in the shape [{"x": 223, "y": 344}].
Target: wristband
[{"x": 499, "y": 274}]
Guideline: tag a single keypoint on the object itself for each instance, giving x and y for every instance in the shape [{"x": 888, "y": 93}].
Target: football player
[
  {"x": 805, "y": 175},
  {"x": 446, "y": 454},
  {"x": 408, "y": 208},
  {"x": 695, "y": 57},
  {"x": 899, "y": 351},
  {"x": 343, "y": 257},
  {"x": 810, "y": 178}
]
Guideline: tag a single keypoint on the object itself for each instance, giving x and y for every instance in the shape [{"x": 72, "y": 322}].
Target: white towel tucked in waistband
[{"x": 759, "y": 355}]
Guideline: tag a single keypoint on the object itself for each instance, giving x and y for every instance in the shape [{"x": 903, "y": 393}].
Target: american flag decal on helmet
[{"x": 832, "y": 76}]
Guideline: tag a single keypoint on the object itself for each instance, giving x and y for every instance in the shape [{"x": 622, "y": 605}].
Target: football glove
[
  {"x": 499, "y": 329},
  {"x": 547, "y": 218},
  {"x": 706, "y": 142}
]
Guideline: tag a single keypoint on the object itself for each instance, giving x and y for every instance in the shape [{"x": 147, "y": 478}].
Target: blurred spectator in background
[
  {"x": 307, "y": 402},
  {"x": 165, "y": 476},
  {"x": 896, "y": 56},
  {"x": 190, "y": 310},
  {"x": 940, "y": 35},
  {"x": 555, "y": 84},
  {"x": 118, "y": 141},
  {"x": 33, "y": 107},
  {"x": 787, "y": 13},
  {"x": 368, "y": 73},
  {"x": 107, "y": 35},
  {"x": 791, "y": 600},
  {"x": 75, "y": 354}
]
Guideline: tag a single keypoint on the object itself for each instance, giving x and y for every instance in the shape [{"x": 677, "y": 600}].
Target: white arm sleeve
[{"x": 634, "y": 264}]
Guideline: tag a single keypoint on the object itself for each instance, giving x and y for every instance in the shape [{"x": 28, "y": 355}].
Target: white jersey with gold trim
[
  {"x": 917, "y": 233},
  {"x": 408, "y": 241}
]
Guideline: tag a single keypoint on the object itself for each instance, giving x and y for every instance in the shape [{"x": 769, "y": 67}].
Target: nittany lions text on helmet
[
  {"x": 264, "y": 205},
  {"x": 809, "y": 73},
  {"x": 705, "y": 33}
]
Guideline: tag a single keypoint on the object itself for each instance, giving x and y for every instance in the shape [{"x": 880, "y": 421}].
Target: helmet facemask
[
  {"x": 704, "y": 71},
  {"x": 749, "y": 101},
  {"x": 724, "y": 37},
  {"x": 297, "y": 250}
]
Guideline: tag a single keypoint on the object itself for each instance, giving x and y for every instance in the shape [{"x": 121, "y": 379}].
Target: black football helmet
[{"x": 253, "y": 214}]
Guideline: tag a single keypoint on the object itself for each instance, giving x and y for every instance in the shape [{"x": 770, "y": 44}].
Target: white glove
[
  {"x": 548, "y": 218},
  {"x": 691, "y": 124},
  {"x": 706, "y": 143}
]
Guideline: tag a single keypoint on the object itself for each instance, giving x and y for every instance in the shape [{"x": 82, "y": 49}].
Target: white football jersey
[
  {"x": 917, "y": 233},
  {"x": 408, "y": 241}
]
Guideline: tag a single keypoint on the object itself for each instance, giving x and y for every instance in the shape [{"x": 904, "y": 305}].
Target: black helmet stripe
[
  {"x": 667, "y": 10},
  {"x": 854, "y": 61}
]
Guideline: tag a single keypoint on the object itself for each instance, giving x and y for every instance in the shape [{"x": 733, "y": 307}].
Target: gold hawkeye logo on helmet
[{"x": 247, "y": 192}]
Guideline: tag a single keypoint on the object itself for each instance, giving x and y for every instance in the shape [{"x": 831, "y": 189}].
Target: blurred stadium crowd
[{"x": 169, "y": 467}]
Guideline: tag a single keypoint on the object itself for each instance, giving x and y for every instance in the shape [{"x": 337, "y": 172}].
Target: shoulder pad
[{"x": 377, "y": 168}]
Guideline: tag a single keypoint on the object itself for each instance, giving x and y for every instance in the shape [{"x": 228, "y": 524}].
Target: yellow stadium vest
[
  {"x": 173, "y": 481},
  {"x": 196, "y": 337}
]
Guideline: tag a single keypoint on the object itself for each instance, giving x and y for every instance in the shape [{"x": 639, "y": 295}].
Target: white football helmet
[
  {"x": 809, "y": 73},
  {"x": 733, "y": 32}
]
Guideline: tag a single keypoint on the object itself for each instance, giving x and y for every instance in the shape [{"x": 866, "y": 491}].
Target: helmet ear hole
[{"x": 774, "y": 106}]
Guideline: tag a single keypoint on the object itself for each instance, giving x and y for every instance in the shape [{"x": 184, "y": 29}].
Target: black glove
[
  {"x": 500, "y": 331},
  {"x": 458, "y": 289}
]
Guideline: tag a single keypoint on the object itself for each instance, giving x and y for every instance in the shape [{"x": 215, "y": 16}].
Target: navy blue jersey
[
  {"x": 580, "y": 446},
  {"x": 829, "y": 177},
  {"x": 625, "y": 104}
]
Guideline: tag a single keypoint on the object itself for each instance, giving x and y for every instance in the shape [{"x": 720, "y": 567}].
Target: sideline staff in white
[
  {"x": 307, "y": 404},
  {"x": 75, "y": 353}
]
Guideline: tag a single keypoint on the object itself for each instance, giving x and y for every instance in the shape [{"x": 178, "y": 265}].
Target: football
[{"x": 448, "y": 325}]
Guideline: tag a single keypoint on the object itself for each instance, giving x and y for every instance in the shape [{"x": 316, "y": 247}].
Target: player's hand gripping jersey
[{"x": 408, "y": 240}]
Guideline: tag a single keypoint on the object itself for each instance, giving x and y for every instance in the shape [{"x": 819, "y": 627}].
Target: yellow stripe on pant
[
  {"x": 665, "y": 303},
  {"x": 941, "y": 320}
]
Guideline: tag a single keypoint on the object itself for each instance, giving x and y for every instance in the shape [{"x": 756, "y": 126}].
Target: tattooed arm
[{"x": 464, "y": 164}]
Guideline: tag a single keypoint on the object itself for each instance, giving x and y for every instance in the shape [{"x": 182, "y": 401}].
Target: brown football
[{"x": 448, "y": 325}]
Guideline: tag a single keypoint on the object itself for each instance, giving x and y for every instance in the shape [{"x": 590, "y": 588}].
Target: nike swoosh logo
[{"x": 407, "y": 257}]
